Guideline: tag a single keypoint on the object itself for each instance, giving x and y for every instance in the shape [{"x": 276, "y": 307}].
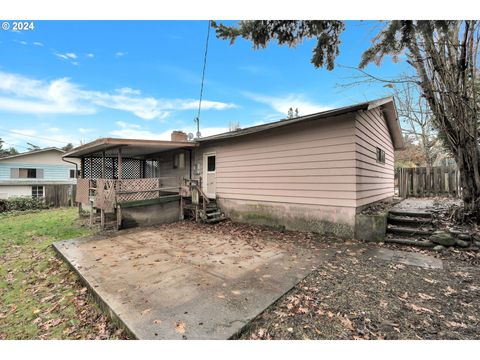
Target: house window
[
  {"x": 37, "y": 191},
  {"x": 380, "y": 156},
  {"x": 211, "y": 163},
  {"x": 27, "y": 173},
  {"x": 72, "y": 174},
  {"x": 179, "y": 161}
]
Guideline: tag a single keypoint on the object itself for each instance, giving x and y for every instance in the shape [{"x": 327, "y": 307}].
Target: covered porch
[{"x": 126, "y": 182}]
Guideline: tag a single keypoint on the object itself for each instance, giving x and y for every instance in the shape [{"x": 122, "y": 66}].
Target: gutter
[{"x": 76, "y": 166}]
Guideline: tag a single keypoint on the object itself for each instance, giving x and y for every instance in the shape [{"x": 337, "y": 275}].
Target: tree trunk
[{"x": 467, "y": 162}]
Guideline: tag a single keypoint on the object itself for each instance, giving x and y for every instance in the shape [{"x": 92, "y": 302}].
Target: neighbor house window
[
  {"x": 380, "y": 156},
  {"x": 72, "y": 174},
  {"x": 211, "y": 163},
  {"x": 27, "y": 173},
  {"x": 37, "y": 191},
  {"x": 179, "y": 161}
]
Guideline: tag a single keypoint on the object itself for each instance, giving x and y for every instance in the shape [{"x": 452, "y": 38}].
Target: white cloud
[
  {"x": 283, "y": 103},
  {"x": 120, "y": 53},
  {"x": 21, "y": 94},
  {"x": 134, "y": 131},
  {"x": 90, "y": 55},
  {"x": 23, "y": 42},
  {"x": 71, "y": 55},
  {"x": 37, "y": 43},
  {"x": 68, "y": 57}
]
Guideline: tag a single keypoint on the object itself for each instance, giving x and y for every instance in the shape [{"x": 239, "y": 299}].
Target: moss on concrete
[
  {"x": 266, "y": 215},
  {"x": 371, "y": 227}
]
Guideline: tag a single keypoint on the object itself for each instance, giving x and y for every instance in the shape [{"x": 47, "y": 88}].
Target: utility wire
[
  {"x": 197, "y": 119},
  {"x": 33, "y": 136}
]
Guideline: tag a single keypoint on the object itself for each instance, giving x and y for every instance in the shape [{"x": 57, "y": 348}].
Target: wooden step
[
  {"x": 408, "y": 213},
  {"x": 216, "y": 219},
  {"x": 213, "y": 214}
]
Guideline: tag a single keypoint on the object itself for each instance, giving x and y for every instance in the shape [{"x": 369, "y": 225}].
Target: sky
[{"x": 75, "y": 81}]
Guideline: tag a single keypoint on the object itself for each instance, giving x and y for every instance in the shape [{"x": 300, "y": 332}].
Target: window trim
[
  {"x": 35, "y": 191},
  {"x": 215, "y": 163},
  {"x": 380, "y": 155}
]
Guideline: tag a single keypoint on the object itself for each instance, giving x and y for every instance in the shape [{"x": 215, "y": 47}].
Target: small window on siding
[
  {"x": 179, "y": 161},
  {"x": 72, "y": 174},
  {"x": 380, "y": 156},
  {"x": 37, "y": 191},
  {"x": 211, "y": 163}
]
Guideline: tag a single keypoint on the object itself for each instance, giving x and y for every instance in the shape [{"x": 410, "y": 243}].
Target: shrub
[{"x": 22, "y": 204}]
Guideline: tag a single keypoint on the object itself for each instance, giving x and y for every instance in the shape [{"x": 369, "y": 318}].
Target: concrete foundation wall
[
  {"x": 320, "y": 219},
  {"x": 14, "y": 191},
  {"x": 147, "y": 215}
]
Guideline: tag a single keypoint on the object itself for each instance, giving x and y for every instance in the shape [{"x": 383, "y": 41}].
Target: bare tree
[{"x": 417, "y": 120}]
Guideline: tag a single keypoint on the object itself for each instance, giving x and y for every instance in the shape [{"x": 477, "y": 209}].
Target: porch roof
[{"x": 132, "y": 148}]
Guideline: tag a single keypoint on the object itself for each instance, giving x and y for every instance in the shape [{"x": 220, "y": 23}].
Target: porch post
[
  {"x": 119, "y": 175},
  {"x": 102, "y": 212},
  {"x": 103, "y": 164}
]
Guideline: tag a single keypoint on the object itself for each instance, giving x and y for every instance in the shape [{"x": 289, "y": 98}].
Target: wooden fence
[
  {"x": 60, "y": 195},
  {"x": 422, "y": 181}
]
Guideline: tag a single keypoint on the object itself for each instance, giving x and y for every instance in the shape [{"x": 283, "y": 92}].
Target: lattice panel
[
  {"x": 82, "y": 191},
  {"x": 137, "y": 189},
  {"x": 132, "y": 169}
]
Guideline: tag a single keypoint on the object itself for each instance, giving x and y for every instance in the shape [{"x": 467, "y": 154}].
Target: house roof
[
  {"x": 31, "y": 153},
  {"x": 386, "y": 104},
  {"x": 130, "y": 147}
]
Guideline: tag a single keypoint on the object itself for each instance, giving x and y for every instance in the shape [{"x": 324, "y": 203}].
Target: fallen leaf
[
  {"x": 346, "y": 322},
  {"x": 158, "y": 322},
  {"x": 180, "y": 327},
  {"x": 146, "y": 311},
  {"x": 236, "y": 292},
  {"x": 290, "y": 329},
  {"x": 425, "y": 296},
  {"x": 419, "y": 308}
]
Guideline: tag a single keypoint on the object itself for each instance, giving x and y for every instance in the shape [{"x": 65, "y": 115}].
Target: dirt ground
[{"x": 356, "y": 297}]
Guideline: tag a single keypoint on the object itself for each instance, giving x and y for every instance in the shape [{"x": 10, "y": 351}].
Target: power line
[
  {"x": 197, "y": 119},
  {"x": 33, "y": 136}
]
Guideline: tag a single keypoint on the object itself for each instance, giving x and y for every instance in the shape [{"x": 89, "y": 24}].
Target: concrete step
[
  {"x": 410, "y": 213},
  {"x": 410, "y": 242},
  {"x": 408, "y": 231},
  {"x": 408, "y": 221}
]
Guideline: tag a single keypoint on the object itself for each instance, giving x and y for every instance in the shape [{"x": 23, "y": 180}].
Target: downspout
[{"x": 76, "y": 166}]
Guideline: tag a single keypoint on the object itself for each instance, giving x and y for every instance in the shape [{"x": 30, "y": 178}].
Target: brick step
[{"x": 410, "y": 213}]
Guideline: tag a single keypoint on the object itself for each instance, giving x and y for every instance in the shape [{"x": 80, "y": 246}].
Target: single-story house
[
  {"x": 311, "y": 173},
  {"x": 29, "y": 173}
]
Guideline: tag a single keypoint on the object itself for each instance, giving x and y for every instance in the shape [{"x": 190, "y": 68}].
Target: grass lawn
[{"x": 40, "y": 297}]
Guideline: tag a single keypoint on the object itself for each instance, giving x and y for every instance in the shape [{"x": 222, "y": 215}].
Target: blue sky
[{"x": 72, "y": 81}]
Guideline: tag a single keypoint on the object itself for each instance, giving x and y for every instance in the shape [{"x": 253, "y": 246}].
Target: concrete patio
[{"x": 187, "y": 281}]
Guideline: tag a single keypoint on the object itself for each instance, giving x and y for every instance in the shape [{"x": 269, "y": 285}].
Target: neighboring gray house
[
  {"x": 313, "y": 172},
  {"x": 28, "y": 173}
]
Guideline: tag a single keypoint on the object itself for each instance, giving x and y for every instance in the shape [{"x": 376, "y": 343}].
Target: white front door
[{"x": 209, "y": 174}]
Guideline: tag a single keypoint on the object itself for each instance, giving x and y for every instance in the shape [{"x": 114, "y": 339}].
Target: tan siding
[
  {"x": 305, "y": 164},
  {"x": 166, "y": 168},
  {"x": 374, "y": 180}
]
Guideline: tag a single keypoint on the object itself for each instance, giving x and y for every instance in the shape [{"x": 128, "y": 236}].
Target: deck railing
[{"x": 106, "y": 193}]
